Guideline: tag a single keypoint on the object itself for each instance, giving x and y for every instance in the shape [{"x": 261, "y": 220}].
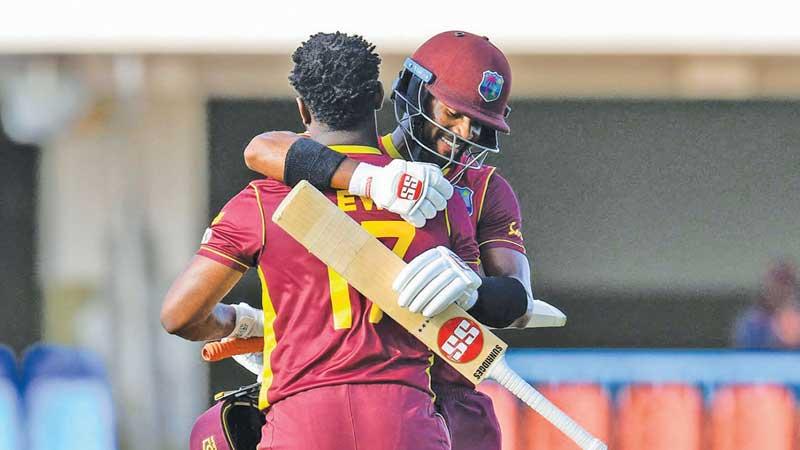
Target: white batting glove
[
  {"x": 249, "y": 322},
  {"x": 253, "y": 362},
  {"x": 415, "y": 191},
  {"x": 434, "y": 280}
]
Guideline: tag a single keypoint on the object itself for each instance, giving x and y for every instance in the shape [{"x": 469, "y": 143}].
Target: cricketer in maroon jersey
[{"x": 319, "y": 331}]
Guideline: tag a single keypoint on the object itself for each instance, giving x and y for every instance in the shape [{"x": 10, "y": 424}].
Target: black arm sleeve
[
  {"x": 501, "y": 301},
  {"x": 309, "y": 160}
]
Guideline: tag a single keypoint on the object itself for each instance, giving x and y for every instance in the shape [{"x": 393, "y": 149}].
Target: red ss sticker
[
  {"x": 410, "y": 188},
  {"x": 460, "y": 340}
]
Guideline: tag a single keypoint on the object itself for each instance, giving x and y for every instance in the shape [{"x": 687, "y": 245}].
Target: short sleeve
[
  {"x": 236, "y": 235},
  {"x": 500, "y": 220},
  {"x": 462, "y": 233}
]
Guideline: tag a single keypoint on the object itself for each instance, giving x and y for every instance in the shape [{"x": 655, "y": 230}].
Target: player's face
[{"x": 452, "y": 120}]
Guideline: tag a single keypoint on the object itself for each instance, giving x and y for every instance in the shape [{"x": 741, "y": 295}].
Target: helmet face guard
[{"x": 409, "y": 95}]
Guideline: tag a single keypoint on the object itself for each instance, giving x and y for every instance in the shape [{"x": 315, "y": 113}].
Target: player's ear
[
  {"x": 305, "y": 114},
  {"x": 379, "y": 97}
]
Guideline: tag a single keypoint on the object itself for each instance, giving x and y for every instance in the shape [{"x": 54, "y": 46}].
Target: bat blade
[{"x": 370, "y": 267}]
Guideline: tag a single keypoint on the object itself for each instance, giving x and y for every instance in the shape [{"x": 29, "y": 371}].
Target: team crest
[
  {"x": 466, "y": 194},
  {"x": 491, "y": 86}
]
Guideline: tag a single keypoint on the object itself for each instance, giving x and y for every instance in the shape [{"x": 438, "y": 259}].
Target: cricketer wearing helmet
[
  {"x": 337, "y": 374},
  {"x": 450, "y": 101}
]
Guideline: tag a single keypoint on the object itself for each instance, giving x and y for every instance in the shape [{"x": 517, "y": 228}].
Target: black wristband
[
  {"x": 501, "y": 301},
  {"x": 309, "y": 160}
]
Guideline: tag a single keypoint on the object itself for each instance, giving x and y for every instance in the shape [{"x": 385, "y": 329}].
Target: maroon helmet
[
  {"x": 233, "y": 423},
  {"x": 469, "y": 74}
]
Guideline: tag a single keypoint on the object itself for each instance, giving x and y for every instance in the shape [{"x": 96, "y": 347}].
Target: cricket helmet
[
  {"x": 233, "y": 423},
  {"x": 469, "y": 74}
]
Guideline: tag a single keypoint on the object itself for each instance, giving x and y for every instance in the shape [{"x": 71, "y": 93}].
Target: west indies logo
[
  {"x": 491, "y": 86},
  {"x": 466, "y": 194}
]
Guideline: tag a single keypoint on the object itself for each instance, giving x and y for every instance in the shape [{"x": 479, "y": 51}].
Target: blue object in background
[
  {"x": 10, "y": 408},
  {"x": 705, "y": 368},
  {"x": 68, "y": 400}
]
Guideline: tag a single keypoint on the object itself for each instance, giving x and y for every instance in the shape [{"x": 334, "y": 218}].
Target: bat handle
[{"x": 510, "y": 380}]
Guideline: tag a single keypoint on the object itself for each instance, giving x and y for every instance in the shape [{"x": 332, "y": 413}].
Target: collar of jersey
[
  {"x": 391, "y": 150},
  {"x": 355, "y": 149},
  {"x": 388, "y": 145}
]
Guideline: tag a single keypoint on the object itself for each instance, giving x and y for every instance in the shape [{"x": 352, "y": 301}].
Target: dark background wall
[
  {"x": 20, "y": 303},
  {"x": 648, "y": 222}
]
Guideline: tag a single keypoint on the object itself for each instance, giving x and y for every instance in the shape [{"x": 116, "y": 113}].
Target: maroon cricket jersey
[
  {"x": 495, "y": 215},
  {"x": 318, "y": 330}
]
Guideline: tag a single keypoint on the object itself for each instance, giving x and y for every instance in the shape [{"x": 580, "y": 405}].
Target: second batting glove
[{"x": 434, "y": 280}]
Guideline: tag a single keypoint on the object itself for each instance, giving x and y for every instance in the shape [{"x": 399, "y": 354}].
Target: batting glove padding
[
  {"x": 415, "y": 191},
  {"x": 434, "y": 280},
  {"x": 249, "y": 322}
]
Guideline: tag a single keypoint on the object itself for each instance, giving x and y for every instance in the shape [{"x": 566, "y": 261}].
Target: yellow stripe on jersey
[
  {"x": 340, "y": 301},
  {"x": 388, "y": 145},
  {"x": 218, "y": 218},
  {"x": 355, "y": 149},
  {"x": 375, "y": 314},
  {"x": 447, "y": 222},
  {"x": 219, "y": 253},
  {"x": 431, "y": 359},
  {"x": 483, "y": 197},
  {"x": 261, "y": 213},
  {"x": 269, "y": 340},
  {"x": 502, "y": 240}
]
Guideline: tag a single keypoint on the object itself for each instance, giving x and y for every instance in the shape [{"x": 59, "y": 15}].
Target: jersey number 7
[{"x": 404, "y": 232}]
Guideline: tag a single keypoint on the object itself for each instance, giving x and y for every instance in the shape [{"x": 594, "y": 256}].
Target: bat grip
[{"x": 510, "y": 380}]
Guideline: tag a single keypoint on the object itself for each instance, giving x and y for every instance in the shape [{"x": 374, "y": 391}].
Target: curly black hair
[{"x": 337, "y": 77}]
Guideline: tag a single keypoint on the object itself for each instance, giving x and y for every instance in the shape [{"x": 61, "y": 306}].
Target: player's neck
[{"x": 364, "y": 135}]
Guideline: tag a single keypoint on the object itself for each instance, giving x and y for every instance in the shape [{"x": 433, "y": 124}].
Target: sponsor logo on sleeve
[
  {"x": 513, "y": 230},
  {"x": 460, "y": 340}
]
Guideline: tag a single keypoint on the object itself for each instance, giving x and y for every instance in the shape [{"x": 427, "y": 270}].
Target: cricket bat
[{"x": 370, "y": 267}]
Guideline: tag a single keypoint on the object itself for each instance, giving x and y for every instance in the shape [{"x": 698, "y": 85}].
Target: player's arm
[
  {"x": 415, "y": 191},
  {"x": 508, "y": 272},
  {"x": 267, "y": 153},
  {"x": 511, "y": 303},
  {"x": 191, "y": 308}
]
